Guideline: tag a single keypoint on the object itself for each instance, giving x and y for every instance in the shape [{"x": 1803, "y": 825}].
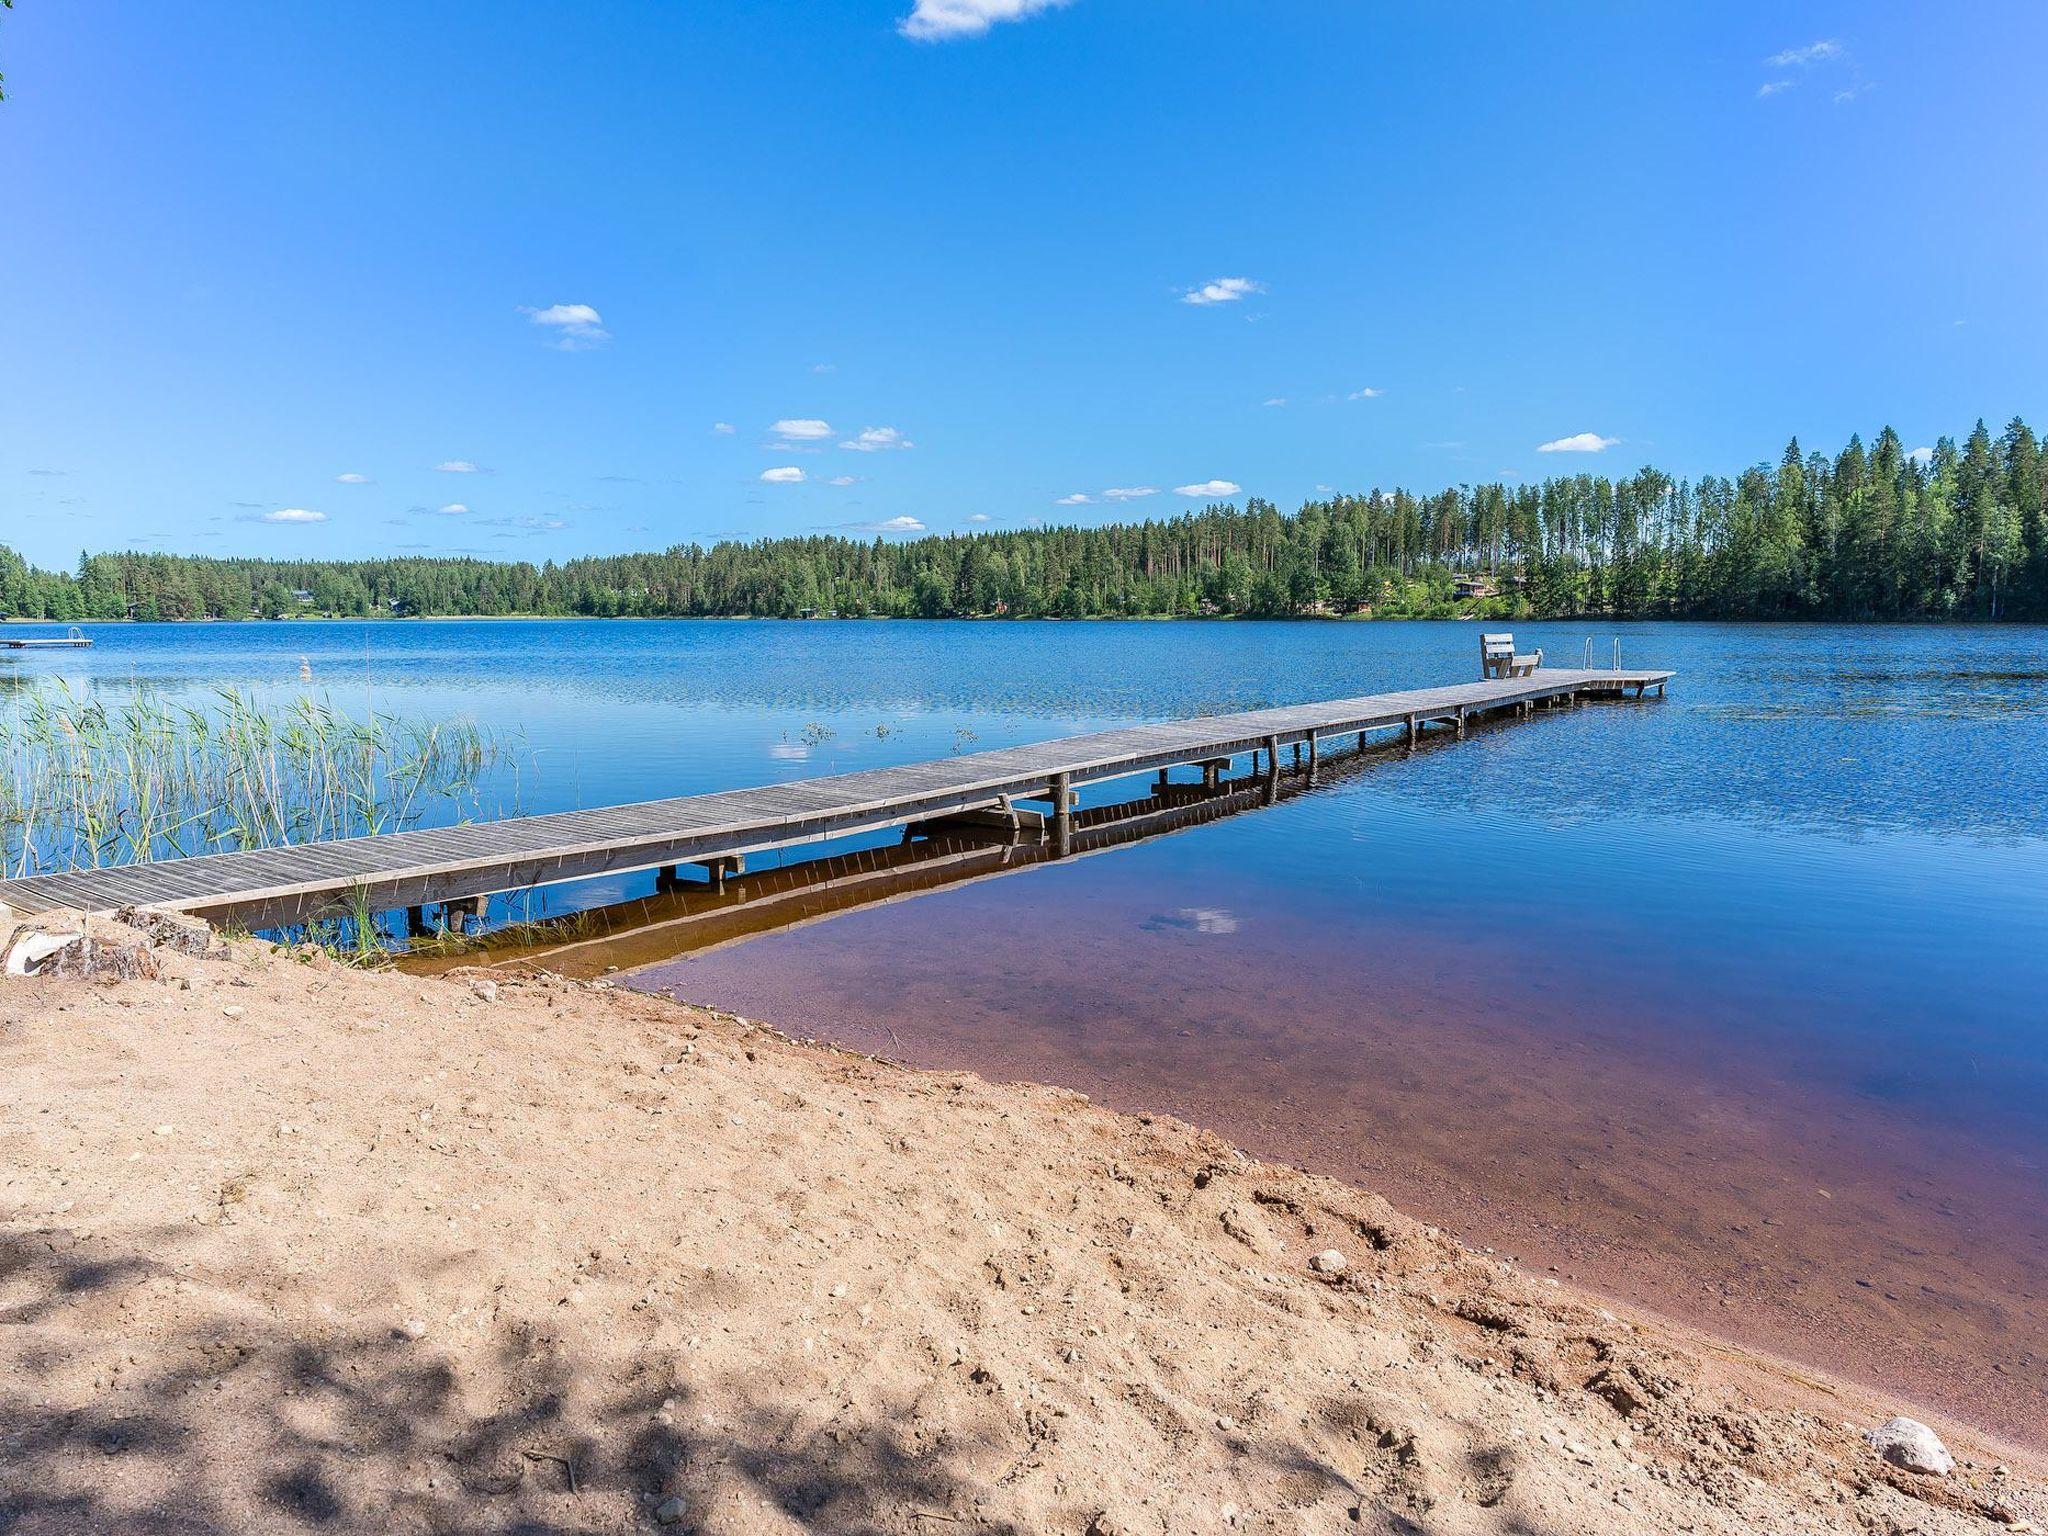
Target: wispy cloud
[
  {"x": 1209, "y": 488},
  {"x": 1826, "y": 54},
  {"x": 1078, "y": 499},
  {"x": 824, "y": 367},
  {"x": 1276, "y": 401},
  {"x": 292, "y": 515},
  {"x": 801, "y": 429},
  {"x": 352, "y": 478},
  {"x": 905, "y": 524},
  {"x": 526, "y": 524},
  {"x": 935, "y": 21},
  {"x": 453, "y": 509},
  {"x": 977, "y": 517},
  {"x": 574, "y": 327},
  {"x": 1222, "y": 290},
  {"x": 459, "y": 467},
  {"x": 1813, "y": 53},
  {"x": 878, "y": 440},
  {"x": 724, "y": 428},
  {"x": 1130, "y": 492},
  {"x": 788, "y": 474},
  {"x": 844, "y": 480},
  {"x": 1367, "y": 393},
  {"x": 1578, "y": 442},
  {"x": 53, "y": 472}
]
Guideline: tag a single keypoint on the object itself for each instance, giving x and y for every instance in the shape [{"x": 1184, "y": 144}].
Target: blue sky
[{"x": 248, "y": 249}]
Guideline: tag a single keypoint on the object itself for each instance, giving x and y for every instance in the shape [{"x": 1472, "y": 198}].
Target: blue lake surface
[{"x": 1749, "y": 985}]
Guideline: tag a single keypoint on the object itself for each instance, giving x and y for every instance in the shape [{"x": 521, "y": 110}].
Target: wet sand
[{"x": 1474, "y": 1082}]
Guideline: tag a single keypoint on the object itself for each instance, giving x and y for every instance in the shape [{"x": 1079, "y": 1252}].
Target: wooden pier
[
  {"x": 71, "y": 642},
  {"x": 274, "y": 887}
]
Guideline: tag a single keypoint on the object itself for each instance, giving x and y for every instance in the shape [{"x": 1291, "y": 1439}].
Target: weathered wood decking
[{"x": 264, "y": 888}]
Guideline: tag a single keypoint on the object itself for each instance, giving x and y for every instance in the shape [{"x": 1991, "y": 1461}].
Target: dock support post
[
  {"x": 1361, "y": 743},
  {"x": 416, "y": 923},
  {"x": 1413, "y": 732},
  {"x": 474, "y": 912},
  {"x": 1297, "y": 757},
  {"x": 1062, "y": 790},
  {"x": 1272, "y": 786},
  {"x": 1314, "y": 757},
  {"x": 1159, "y": 787},
  {"x": 1461, "y": 722}
]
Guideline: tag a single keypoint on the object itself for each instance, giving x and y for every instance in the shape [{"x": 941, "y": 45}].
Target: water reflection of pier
[{"x": 696, "y": 916}]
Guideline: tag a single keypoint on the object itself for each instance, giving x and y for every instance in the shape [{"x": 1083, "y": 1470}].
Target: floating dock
[
  {"x": 71, "y": 642},
  {"x": 448, "y": 866}
]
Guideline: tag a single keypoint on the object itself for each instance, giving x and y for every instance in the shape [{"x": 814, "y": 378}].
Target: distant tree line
[{"x": 1877, "y": 532}]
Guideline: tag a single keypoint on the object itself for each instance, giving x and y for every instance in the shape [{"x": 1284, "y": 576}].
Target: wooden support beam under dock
[{"x": 273, "y": 887}]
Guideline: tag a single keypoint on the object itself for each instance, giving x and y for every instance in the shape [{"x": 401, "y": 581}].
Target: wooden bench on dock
[{"x": 1497, "y": 658}]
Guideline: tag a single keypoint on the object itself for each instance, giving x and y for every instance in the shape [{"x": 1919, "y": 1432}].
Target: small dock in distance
[
  {"x": 460, "y": 868},
  {"x": 75, "y": 640}
]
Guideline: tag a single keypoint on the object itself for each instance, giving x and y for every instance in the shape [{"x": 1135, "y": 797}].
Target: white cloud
[
  {"x": 453, "y": 509},
  {"x": 1209, "y": 488},
  {"x": 1365, "y": 394},
  {"x": 724, "y": 428},
  {"x": 1078, "y": 499},
  {"x": 1849, "y": 93},
  {"x": 977, "y": 517},
  {"x": 293, "y": 515},
  {"x": 895, "y": 525},
  {"x": 577, "y": 327},
  {"x": 933, "y": 21},
  {"x": 844, "y": 480},
  {"x": 1277, "y": 400},
  {"x": 1130, "y": 492},
  {"x": 457, "y": 467},
  {"x": 802, "y": 429},
  {"x": 1579, "y": 442},
  {"x": 1772, "y": 87},
  {"x": 1222, "y": 290},
  {"x": 1813, "y": 53},
  {"x": 878, "y": 440},
  {"x": 789, "y": 474},
  {"x": 352, "y": 478},
  {"x": 1922, "y": 456}
]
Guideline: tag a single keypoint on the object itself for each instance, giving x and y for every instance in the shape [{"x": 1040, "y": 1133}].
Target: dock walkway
[{"x": 272, "y": 887}]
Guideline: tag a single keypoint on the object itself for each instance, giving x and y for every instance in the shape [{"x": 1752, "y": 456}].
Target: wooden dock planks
[{"x": 270, "y": 887}]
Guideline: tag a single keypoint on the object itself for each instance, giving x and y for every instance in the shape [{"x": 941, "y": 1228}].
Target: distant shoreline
[{"x": 1956, "y": 621}]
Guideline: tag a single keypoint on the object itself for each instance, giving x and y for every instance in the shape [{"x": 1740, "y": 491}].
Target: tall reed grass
[{"x": 89, "y": 780}]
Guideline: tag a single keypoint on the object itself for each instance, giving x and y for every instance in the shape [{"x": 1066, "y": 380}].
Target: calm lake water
[{"x": 1734, "y": 1004}]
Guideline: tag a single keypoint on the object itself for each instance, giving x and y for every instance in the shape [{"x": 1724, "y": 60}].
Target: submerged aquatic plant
[{"x": 89, "y": 779}]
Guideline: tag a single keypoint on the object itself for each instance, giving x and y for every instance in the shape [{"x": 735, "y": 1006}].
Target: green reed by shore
[{"x": 89, "y": 779}]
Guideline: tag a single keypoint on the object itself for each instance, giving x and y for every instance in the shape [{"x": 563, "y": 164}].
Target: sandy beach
[{"x": 288, "y": 1245}]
